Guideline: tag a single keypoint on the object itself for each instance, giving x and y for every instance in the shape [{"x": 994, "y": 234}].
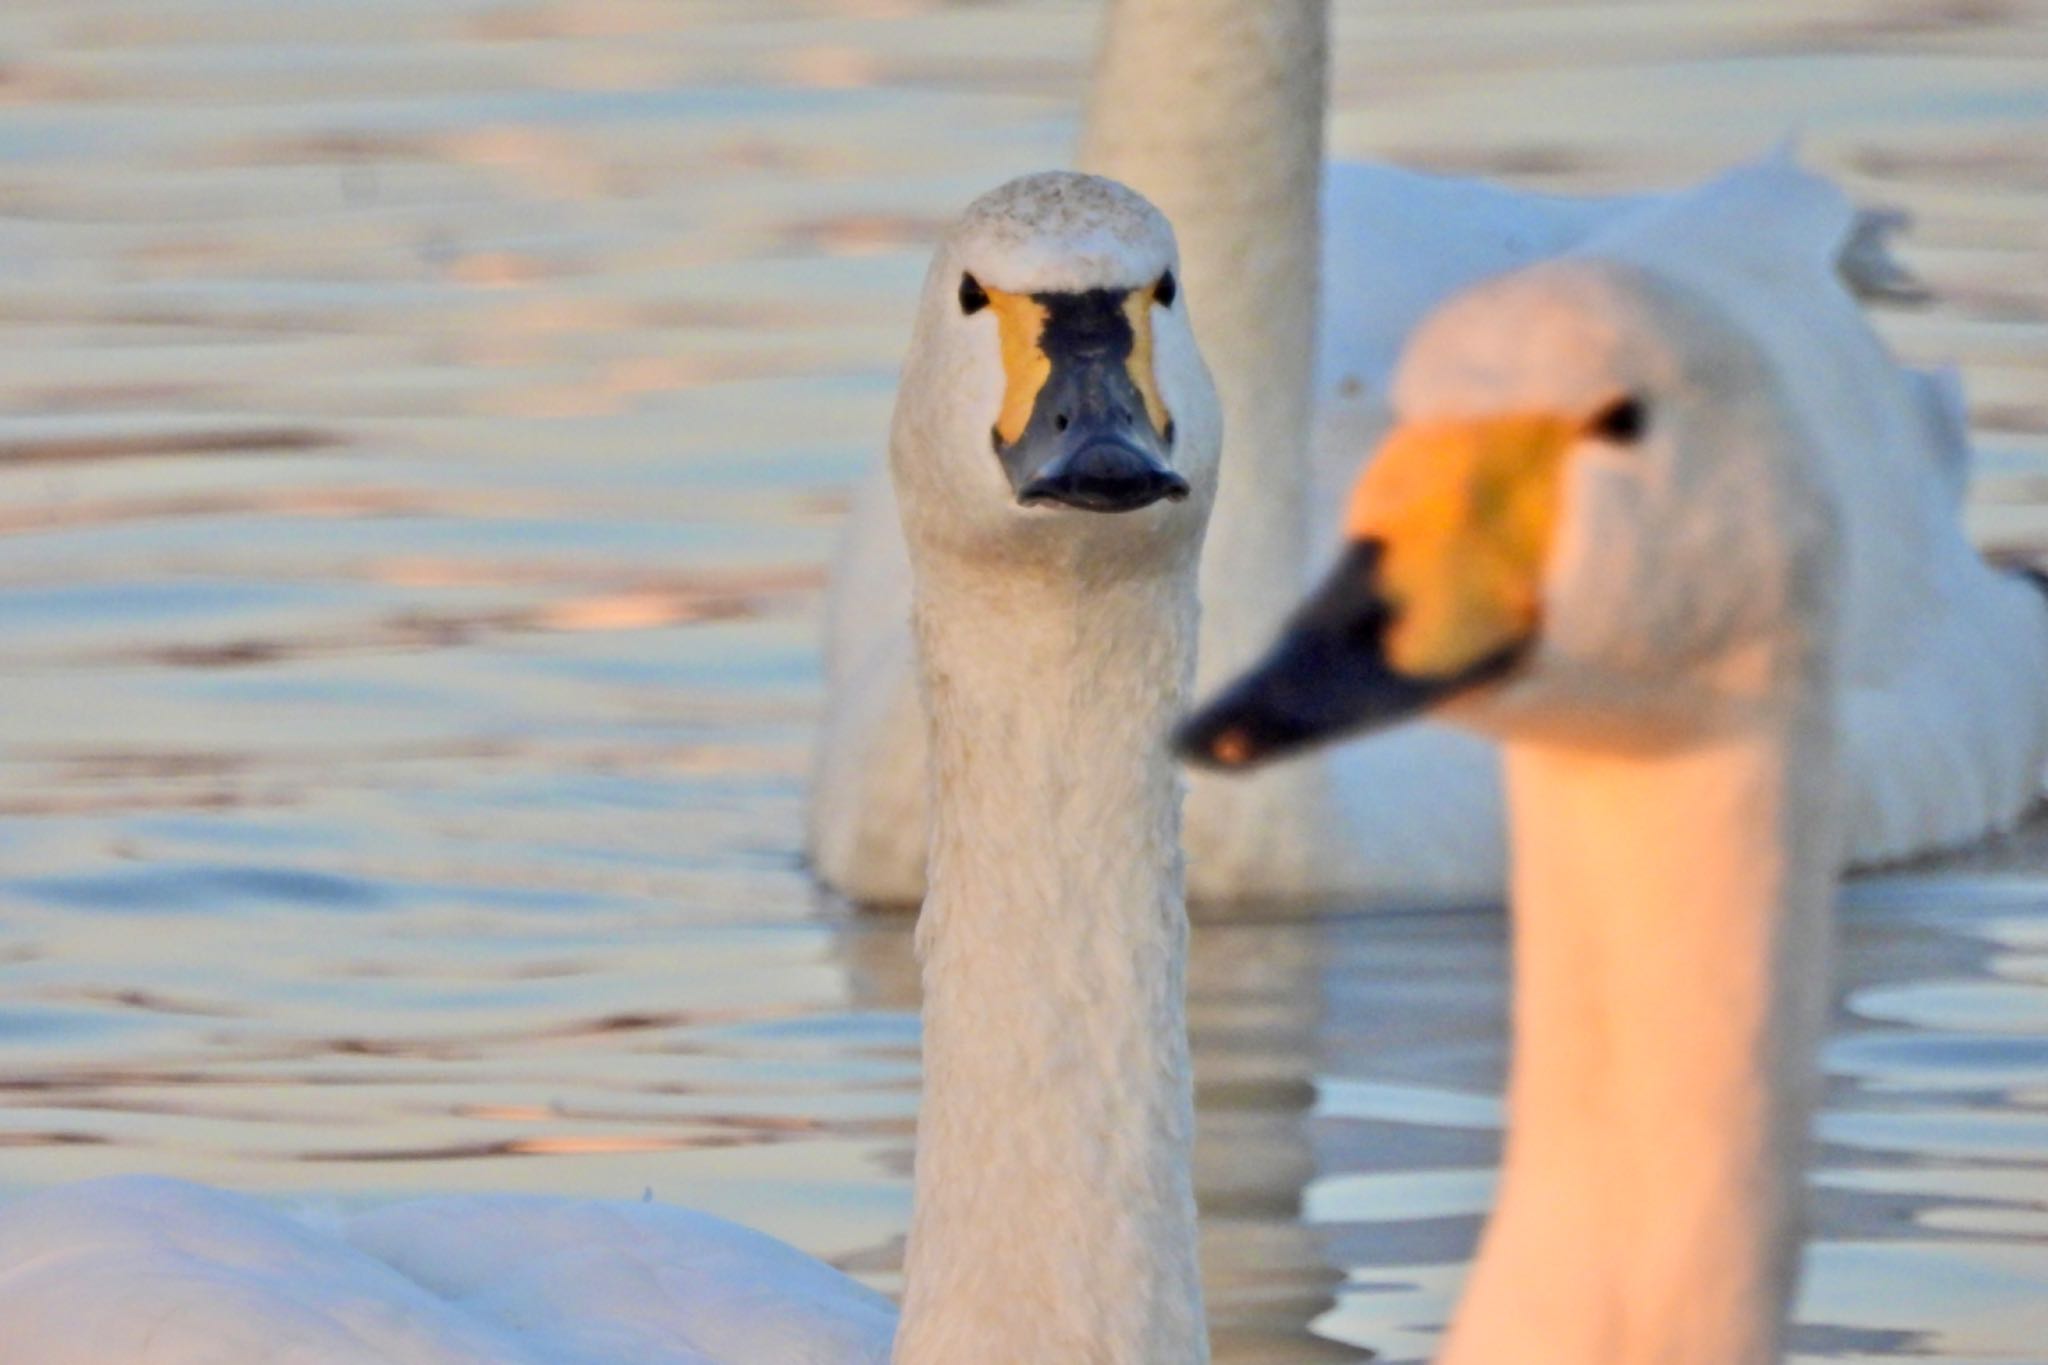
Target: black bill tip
[
  {"x": 1314, "y": 686},
  {"x": 1326, "y": 677},
  {"x": 1105, "y": 477}
]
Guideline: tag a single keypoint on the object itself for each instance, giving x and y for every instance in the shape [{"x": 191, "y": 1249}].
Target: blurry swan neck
[
  {"x": 1213, "y": 109},
  {"x": 1054, "y": 1207},
  {"x": 1671, "y": 920}
]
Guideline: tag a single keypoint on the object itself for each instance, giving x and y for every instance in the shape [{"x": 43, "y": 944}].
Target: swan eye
[
  {"x": 1622, "y": 422},
  {"x": 973, "y": 298},
  {"x": 1166, "y": 291}
]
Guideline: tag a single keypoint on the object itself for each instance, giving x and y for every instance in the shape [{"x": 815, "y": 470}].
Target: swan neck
[
  {"x": 1671, "y": 921},
  {"x": 1213, "y": 109},
  {"x": 1054, "y": 1208}
]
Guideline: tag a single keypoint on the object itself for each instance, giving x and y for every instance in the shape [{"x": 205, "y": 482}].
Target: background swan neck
[
  {"x": 1054, "y": 1208},
  {"x": 1213, "y": 109},
  {"x": 1671, "y": 924}
]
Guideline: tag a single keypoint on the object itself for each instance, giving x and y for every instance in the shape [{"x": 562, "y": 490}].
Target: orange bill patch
[
  {"x": 1464, "y": 511},
  {"x": 1020, "y": 323},
  {"x": 1138, "y": 311}
]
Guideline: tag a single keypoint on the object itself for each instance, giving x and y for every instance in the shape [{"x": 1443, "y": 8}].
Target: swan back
[
  {"x": 158, "y": 1271},
  {"x": 148, "y": 1271}
]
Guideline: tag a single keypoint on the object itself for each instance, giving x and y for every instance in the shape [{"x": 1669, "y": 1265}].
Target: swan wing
[
  {"x": 1397, "y": 243},
  {"x": 144, "y": 1271},
  {"x": 150, "y": 1271},
  {"x": 642, "y": 1282}
]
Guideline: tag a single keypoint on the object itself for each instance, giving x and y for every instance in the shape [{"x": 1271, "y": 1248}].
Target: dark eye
[
  {"x": 973, "y": 298},
  {"x": 1166, "y": 291},
  {"x": 1622, "y": 422}
]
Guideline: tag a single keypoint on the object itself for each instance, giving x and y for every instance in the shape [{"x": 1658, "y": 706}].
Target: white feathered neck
[
  {"x": 1054, "y": 1198},
  {"x": 1054, "y": 1213}
]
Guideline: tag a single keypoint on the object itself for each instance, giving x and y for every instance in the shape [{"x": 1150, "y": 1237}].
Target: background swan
[
  {"x": 1054, "y": 1206},
  {"x": 1603, "y": 531},
  {"x": 1215, "y": 110}
]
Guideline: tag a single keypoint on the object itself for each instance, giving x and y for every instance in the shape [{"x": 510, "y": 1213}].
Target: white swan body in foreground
[
  {"x": 148, "y": 1271},
  {"x": 1214, "y": 109},
  {"x": 1603, "y": 532},
  {"x": 1054, "y": 1212}
]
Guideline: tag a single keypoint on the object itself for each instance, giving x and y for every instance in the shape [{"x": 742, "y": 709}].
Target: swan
[
  {"x": 1053, "y": 1210},
  {"x": 1601, "y": 532},
  {"x": 1214, "y": 110}
]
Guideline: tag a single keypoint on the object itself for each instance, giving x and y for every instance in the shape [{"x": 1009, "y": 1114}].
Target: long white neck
[
  {"x": 1671, "y": 926},
  {"x": 1213, "y": 109},
  {"x": 1054, "y": 1213}
]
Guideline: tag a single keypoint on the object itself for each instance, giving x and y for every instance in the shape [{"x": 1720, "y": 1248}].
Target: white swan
[
  {"x": 1214, "y": 109},
  {"x": 1054, "y": 1214},
  {"x": 1605, "y": 533}
]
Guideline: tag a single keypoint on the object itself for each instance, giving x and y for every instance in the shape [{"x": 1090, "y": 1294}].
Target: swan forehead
[
  {"x": 1559, "y": 337},
  {"x": 1062, "y": 232}
]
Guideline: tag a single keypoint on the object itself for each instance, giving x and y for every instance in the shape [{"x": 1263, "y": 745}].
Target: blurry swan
[
  {"x": 1602, "y": 531},
  {"x": 1054, "y": 1211},
  {"x": 1214, "y": 109}
]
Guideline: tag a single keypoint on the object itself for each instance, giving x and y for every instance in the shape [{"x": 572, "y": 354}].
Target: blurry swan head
[{"x": 1593, "y": 520}]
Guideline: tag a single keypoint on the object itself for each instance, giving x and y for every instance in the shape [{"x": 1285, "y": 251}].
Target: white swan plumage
[
  {"x": 142, "y": 1270},
  {"x": 1607, "y": 530},
  {"x": 1053, "y": 1205},
  {"x": 1214, "y": 109}
]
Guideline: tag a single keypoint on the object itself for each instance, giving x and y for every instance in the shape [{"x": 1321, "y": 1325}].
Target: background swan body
[
  {"x": 1946, "y": 726},
  {"x": 1309, "y": 276},
  {"x": 1053, "y": 1202}
]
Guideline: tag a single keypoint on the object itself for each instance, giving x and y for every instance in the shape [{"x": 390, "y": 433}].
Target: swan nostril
[
  {"x": 1168, "y": 433},
  {"x": 1060, "y": 422}
]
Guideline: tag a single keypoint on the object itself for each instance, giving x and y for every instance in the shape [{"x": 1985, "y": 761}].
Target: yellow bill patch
[
  {"x": 1021, "y": 325},
  {"x": 1464, "y": 510},
  {"x": 1138, "y": 309},
  {"x": 1020, "y": 322}
]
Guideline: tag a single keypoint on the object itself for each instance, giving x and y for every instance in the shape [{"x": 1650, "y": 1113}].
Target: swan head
[
  {"x": 1594, "y": 519},
  {"x": 1053, "y": 393}
]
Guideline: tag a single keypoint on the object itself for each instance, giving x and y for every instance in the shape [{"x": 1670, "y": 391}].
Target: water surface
[{"x": 424, "y": 426}]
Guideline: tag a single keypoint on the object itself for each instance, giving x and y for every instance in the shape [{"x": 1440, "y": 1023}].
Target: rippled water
[{"x": 424, "y": 424}]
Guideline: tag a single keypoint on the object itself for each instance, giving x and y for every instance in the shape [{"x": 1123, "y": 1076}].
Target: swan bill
[
  {"x": 1327, "y": 676},
  {"x": 1464, "y": 510},
  {"x": 1439, "y": 591},
  {"x": 1082, "y": 423}
]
